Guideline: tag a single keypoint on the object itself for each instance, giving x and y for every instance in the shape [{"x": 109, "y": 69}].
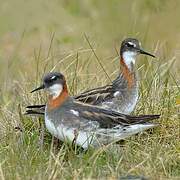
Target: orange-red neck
[
  {"x": 58, "y": 101},
  {"x": 127, "y": 73}
]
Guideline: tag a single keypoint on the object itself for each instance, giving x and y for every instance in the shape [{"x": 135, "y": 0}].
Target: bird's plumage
[
  {"x": 87, "y": 125},
  {"x": 122, "y": 94},
  {"x": 95, "y": 126}
]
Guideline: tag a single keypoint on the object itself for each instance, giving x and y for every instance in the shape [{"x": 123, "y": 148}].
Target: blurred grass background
[{"x": 39, "y": 35}]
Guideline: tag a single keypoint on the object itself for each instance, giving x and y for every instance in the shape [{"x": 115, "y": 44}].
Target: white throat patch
[
  {"x": 129, "y": 58},
  {"x": 55, "y": 90}
]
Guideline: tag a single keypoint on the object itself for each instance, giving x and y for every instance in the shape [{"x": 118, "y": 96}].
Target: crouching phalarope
[{"x": 86, "y": 125}]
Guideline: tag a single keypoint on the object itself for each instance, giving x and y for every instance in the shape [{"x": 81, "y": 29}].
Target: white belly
[
  {"x": 87, "y": 138},
  {"x": 131, "y": 106},
  {"x": 64, "y": 133}
]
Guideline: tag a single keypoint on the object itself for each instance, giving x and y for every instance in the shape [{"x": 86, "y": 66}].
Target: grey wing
[
  {"x": 72, "y": 119},
  {"x": 96, "y": 96},
  {"x": 109, "y": 119},
  {"x": 99, "y": 95}
]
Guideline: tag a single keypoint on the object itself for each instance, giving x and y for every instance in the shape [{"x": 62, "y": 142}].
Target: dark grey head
[
  {"x": 54, "y": 82},
  {"x": 132, "y": 46},
  {"x": 53, "y": 78}
]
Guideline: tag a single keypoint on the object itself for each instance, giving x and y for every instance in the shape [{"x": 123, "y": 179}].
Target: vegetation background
[{"x": 38, "y": 36}]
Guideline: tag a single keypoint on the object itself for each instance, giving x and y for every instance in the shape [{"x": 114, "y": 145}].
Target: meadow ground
[{"x": 39, "y": 36}]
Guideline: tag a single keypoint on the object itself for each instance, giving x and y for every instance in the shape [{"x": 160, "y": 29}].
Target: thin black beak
[
  {"x": 39, "y": 88},
  {"x": 146, "y": 53}
]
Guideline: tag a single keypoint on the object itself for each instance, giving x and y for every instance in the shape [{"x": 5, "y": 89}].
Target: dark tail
[
  {"x": 143, "y": 118},
  {"x": 33, "y": 112},
  {"x": 36, "y": 106}
]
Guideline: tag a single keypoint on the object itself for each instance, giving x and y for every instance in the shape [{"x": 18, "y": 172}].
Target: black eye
[
  {"x": 131, "y": 45},
  {"x": 53, "y": 78}
]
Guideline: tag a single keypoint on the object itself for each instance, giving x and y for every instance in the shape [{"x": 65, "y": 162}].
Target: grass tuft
[{"x": 42, "y": 36}]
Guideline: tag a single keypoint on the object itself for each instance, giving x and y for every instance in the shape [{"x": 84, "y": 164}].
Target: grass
[{"x": 39, "y": 36}]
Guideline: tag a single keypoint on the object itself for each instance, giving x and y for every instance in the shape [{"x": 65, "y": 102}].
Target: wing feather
[{"x": 109, "y": 119}]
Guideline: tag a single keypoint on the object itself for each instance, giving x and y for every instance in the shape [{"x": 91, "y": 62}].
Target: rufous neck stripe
[
  {"x": 58, "y": 101},
  {"x": 128, "y": 75}
]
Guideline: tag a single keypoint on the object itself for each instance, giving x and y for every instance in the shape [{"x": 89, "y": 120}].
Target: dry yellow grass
[{"x": 38, "y": 36}]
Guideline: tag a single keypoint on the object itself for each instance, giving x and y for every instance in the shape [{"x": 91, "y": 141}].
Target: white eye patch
[
  {"x": 53, "y": 77},
  {"x": 132, "y": 44}
]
